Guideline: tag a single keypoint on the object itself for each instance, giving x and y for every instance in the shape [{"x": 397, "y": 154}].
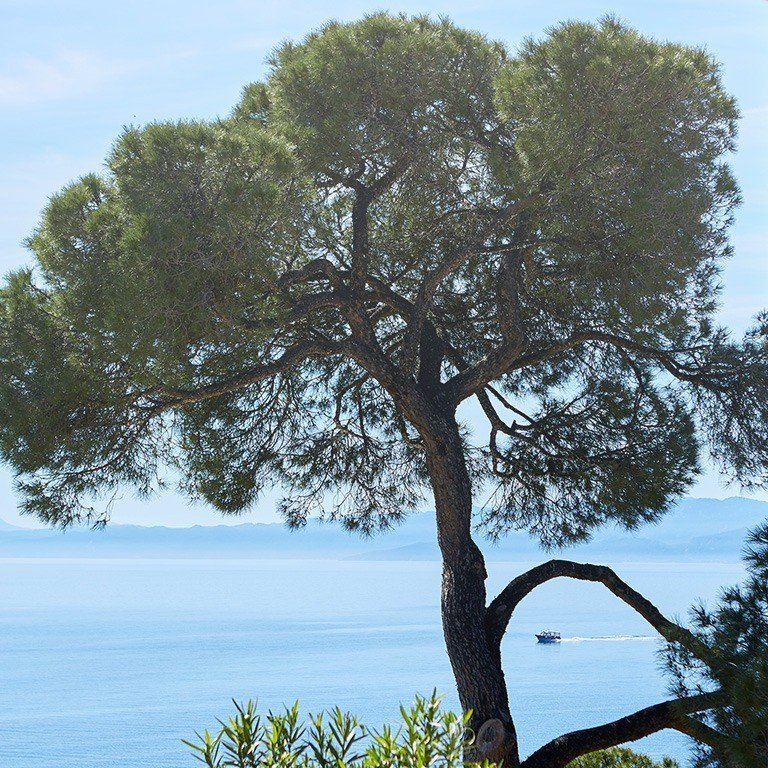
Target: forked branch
[{"x": 507, "y": 357}]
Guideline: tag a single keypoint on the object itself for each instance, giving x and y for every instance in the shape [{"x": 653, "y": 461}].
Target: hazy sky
[{"x": 73, "y": 73}]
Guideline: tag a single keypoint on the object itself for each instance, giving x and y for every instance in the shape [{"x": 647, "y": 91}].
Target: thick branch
[
  {"x": 293, "y": 356},
  {"x": 450, "y": 263},
  {"x": 508, "y": 305},
  {"x": 504, "y": 359},
  {"x": 360, "y": 239},
  {"x": 667, "y": 714},
  {"x": 423, "y": 302},
  {"x": 312, "y": 270},
  {"x": 391, "y": 175},
  {"x": 304, "y": 307},
  {"x": 502, "y": 607}
]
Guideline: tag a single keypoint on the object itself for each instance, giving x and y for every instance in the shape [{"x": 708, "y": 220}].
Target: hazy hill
[{"x": 697, "y": 529}]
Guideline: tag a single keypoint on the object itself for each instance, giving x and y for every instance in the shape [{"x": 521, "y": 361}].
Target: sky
[{"x": 74, "y": 74}]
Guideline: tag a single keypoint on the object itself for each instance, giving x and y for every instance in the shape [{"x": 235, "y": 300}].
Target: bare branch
[
  {"x": 502, "y": 607},
  {"x": 507, "y": 358}
]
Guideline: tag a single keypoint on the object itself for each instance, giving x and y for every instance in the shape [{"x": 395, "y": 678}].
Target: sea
[{"x": 111, "y": 663}]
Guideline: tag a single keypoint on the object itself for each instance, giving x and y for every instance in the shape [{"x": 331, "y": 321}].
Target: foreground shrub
[
  {"x": 426, "y": 736},
  {"x": 620, "y": 757}
]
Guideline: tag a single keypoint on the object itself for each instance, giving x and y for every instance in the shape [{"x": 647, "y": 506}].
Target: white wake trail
[{"x": 610, "y": 638}]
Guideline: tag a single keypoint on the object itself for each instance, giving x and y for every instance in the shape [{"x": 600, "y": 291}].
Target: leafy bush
[
  {"x": 620, "y": 758},
  {"x": 426, "y": 736}
]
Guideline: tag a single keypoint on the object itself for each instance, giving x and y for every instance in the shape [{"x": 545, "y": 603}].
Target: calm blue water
[{"x": 107, "y": 664}]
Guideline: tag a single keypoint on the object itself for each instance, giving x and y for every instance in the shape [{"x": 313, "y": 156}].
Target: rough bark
[{"x": 473, "y": 632}]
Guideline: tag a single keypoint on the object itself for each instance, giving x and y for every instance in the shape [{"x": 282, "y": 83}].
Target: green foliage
[
  {"x": 268, "y": 299},
  {"x": 426, "y": 736},
  {"x": 737, "y": 627},
  {"x": 620, "y": 757},
  {"x": 379, "y": 91},
  {"x": 627, "y": 135},
  {"x": 157, "y": 256}
]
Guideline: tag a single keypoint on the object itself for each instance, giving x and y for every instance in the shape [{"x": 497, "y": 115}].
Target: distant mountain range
[{"x": 695, "y": 530}]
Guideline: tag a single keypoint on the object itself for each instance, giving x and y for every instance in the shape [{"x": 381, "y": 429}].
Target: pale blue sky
[{"x": 73, "y": 73}]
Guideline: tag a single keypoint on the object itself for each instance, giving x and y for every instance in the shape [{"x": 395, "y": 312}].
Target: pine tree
[{"x": 404, "y": 217}]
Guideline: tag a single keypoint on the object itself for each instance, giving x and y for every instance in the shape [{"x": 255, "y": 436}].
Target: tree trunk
[{"x": 476, "y": 668}]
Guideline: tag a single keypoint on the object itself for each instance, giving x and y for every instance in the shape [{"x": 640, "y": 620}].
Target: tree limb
[
  {"x": 507, "y": 358},
  {"x": 312, "y": 270},
  {"x": 668, "y": 714},
  {"x": 504, "y": 359},
  {"x": 450, "y": 263},
  {"x": 301, "y": 309},
  {"x": 500, "y": 610},
  {"x": 174, "y": 398},
  {"x": 701, "y": 732}
]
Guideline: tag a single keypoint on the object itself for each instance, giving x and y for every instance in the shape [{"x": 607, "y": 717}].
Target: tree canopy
[{"x": 399, "y": 203}]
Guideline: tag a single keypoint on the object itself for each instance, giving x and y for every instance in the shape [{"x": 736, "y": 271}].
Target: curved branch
[
  {"x": 423, "y": 302},
  {"x": 302, "y": 308},
  {"x": 668, "y": 714},
  {"x": 504, "y": 359},
  {"x": 500, "y": 610}
]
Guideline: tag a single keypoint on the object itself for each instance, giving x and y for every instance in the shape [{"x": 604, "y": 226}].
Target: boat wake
[{"x": 610, "y": 638}]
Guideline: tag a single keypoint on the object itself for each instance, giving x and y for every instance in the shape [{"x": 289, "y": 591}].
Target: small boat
[{"x": 548, "y": 636}]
